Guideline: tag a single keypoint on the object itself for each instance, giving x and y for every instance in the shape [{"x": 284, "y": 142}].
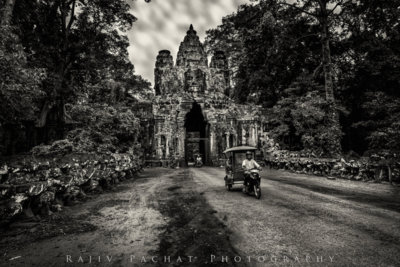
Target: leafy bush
[
  {"x": 380, "y": 121},
  {"x": 20, "y": 89},
  {"x": 302, "y": 119},
  {"x": 103, "y": 128},
  {"x": 60, "y": 147}
]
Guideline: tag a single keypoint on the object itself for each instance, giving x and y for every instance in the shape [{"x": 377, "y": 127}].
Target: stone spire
[
  {"x": 191, "y": 52},
  {"x": 164, "y": 59},
  {"x": 164, "y": 64}
]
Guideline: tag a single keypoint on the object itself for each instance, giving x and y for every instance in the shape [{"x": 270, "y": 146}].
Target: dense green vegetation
[
  {"x": 326, "y": 71},
  {"x": 63, "y": 63}
]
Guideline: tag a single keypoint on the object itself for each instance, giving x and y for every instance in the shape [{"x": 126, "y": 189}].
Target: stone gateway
[{"x": 193, "y": 113}]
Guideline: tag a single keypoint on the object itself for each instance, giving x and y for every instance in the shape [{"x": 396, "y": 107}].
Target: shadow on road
[
  {"x": 391, "y": 202},
  {"x": 193, "y": 229}
]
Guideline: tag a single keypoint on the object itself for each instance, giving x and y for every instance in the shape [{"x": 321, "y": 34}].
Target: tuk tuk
[
  {"x": 195, "y": 161},
  {"x": 234, "y": 174}
]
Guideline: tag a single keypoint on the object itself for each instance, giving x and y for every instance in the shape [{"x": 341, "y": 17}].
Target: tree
[
  {"x": 278, "y": 43},
  {"x": 55, "y": 52},
  {"x": 229, "y": 38},
  {"x": 320, "y": 11},
  {"x": 300, "y": 121},
  {"x": 267, "y": 50},
  {"x": 62, "y": 34},
  {"x": 20, "y": 89},
  {"x": 369, "y": 77},
  {"x": 106, "y": 128}
]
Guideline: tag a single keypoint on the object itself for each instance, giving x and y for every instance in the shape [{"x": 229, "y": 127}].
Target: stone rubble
[
  {"x": 376, "y": 168},
  {"x": 44, "y": 185}
]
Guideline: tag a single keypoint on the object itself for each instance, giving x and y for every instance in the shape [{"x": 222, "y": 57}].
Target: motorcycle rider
[{"x": 248, "y": 164}]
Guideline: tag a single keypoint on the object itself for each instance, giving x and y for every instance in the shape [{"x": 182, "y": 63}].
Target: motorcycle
[{"x": 253, "y": 184}]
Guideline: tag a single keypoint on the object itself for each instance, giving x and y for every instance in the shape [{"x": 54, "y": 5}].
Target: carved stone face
[{"x": 195, "y": 81}]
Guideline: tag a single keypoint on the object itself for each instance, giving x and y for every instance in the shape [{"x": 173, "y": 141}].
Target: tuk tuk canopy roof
[{"x": 240, "y": 148}]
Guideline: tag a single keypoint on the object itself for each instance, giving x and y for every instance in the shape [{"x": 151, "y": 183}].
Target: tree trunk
[
  {"x": 41, "y": 122},
  {"x": 390, "y": 176},
  {"x": 326, "y": 51},
  {"x": 328, "y": 75},
  {"x": 327, "y": 63},
  {"x": 6, "y": 12}
]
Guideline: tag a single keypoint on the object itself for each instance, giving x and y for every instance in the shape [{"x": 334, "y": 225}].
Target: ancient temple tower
[
  {"x": 192, "y": 111},
  {"x": 164, "y": 70},
  {"x": 191, "y": 72},
  {"x": 191, "y": 52}
]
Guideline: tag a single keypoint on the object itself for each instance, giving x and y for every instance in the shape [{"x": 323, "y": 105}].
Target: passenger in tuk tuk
[{"x": 248, "y": 164}]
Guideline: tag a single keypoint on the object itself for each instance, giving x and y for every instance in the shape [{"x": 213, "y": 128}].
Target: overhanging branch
[
  {"x": 340, "y": 3},
  {"x": 299, "y": 8},
  {"x": 72, "y": 17}
]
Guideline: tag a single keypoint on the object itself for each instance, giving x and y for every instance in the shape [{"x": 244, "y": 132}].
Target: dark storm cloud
[{"x": 162, "y": 24}]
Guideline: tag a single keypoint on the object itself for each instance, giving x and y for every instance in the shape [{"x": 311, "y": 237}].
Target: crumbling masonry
[{"x": 192, "y": 111}]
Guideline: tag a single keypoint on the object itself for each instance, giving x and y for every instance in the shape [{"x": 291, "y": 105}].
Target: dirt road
[
  {"x": 303, "y": 218},
  {"x": 186, "y": 217}
]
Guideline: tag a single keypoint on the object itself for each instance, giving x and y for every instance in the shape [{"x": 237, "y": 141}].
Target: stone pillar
[
  {"x": 244, "y": 139},
  {"x": 178, "y": 149},
  {"x": 159, "y": 150},
  {"x": 253, "y": 136},
  {"x": 164, "y": 63},
  {"x": 227, "y": 139},
  {"x": 257, "y": 134},
  {"x": 182, "y": 143},
  {"x": 213, "y": 147},
  {"x": 211, "y": 143},
  {"x": 167, "y": 147}
]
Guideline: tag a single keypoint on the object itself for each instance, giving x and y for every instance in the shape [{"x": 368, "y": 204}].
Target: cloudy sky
[{"x": 162, "y": 24}]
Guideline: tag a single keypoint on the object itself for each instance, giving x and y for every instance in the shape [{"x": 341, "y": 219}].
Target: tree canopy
[
  {"x": 296, "y": 57},
  {"x": 56, "y": 55}
]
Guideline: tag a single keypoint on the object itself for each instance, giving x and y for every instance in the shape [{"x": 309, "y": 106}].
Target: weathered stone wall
[
  {"x": 200, "y": 80},
  {"x": 144, "y": 111},
  {"x": 39, "y": 186},
  {"x": 229, "y": 124}
]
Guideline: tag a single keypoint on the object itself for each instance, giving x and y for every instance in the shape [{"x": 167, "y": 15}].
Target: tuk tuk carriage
[
  {"x": 234, "y": 174},
  {"x": 196, "y": 161}
]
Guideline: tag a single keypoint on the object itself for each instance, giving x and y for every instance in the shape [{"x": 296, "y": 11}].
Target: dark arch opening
[
  {"x": 196, "y": 133},
  {"x": 195, "y": 122}
]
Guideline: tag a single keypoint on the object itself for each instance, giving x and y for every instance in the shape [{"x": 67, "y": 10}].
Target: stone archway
[{"x": 197, "y": 134}]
